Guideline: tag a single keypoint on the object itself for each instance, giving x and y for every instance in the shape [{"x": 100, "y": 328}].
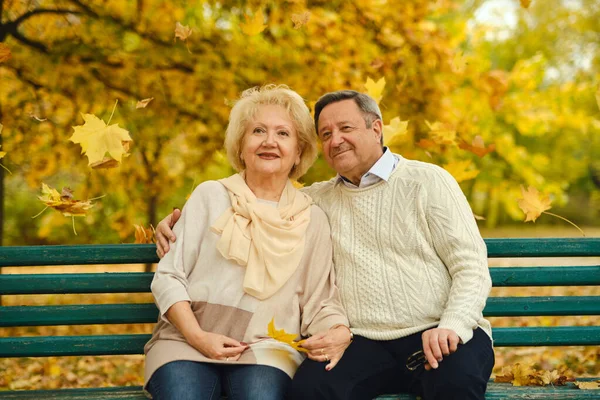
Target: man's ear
[{"x": 377, "y": 127}]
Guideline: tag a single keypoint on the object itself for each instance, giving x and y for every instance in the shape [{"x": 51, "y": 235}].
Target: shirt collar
[{"x": 382, "y": 169}]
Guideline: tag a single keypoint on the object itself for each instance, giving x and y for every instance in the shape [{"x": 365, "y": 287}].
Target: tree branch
[{"x": 38, "y": 11}]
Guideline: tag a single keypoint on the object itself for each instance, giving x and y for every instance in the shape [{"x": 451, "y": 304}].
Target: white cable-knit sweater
[{"x": 408, "y": 254}]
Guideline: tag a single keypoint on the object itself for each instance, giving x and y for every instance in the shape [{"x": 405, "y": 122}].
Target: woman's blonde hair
[{"x": 246, "y": 108}]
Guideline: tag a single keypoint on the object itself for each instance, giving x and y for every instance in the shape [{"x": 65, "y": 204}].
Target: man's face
[{"x": 348, "y": 145}]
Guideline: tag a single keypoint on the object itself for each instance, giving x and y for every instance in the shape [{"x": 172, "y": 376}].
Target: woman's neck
[{"x": 269, "y": 188}]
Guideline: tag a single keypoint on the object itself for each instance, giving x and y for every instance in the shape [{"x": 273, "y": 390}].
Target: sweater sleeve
[
  {"x": 170, "y": 282},
  {"x": 320, "y": 302},
  {"x": 460, "y": 246}
]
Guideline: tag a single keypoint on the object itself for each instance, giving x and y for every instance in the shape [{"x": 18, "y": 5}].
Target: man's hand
[
  {"x": 437, "y": 343},
  {"x": 218, "y": 347},
  {"x": 164, "y": 232},
  {"x": 328, "y": 346}
]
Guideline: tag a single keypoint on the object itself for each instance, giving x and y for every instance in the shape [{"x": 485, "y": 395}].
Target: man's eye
[
  {"x": 325, "y": 135},
  {"x": 346, "y": 128}
]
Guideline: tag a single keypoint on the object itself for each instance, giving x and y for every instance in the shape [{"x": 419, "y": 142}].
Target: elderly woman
[{"x": 250, "y": 248}]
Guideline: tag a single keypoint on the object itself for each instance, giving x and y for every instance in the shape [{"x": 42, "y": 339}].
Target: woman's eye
[
  {"x": 258, "y": 130},
  {"x": 284, "y": 133}
]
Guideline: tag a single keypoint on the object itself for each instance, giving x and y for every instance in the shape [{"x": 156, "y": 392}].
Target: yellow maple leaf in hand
[
  {"x": 253, "y": 26},
  {"x": 459, "y": 170},
  {"x": 375, "y": 89},
  {"x": 478, "y": 147},
  {"x": 284, "y": 337},
  {"x": 533, "y": 203},
  {"x": 394, "y": 130},
  {"x": 97, "y": 139}
]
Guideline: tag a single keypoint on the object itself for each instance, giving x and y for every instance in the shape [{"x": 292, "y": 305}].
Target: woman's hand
[
  {"x": 164, "y": 232},
  {"x": 218, "y": 347},
  {"x": 328, "y": 346}
]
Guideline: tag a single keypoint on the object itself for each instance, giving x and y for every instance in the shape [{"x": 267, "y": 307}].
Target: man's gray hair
[{"x": 365, "y": 103}]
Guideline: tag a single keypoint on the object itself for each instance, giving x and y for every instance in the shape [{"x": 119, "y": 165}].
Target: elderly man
[{"x": 411, "y": 269}]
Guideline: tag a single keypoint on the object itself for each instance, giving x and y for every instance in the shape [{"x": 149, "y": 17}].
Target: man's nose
[{"x": 336, "y": 138}]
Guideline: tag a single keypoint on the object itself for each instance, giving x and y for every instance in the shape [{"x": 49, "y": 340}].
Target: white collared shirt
[{"x": 381, "y": 170}]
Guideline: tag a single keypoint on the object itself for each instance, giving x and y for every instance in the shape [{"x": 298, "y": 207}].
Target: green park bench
[{"x": 120, "y": 344}]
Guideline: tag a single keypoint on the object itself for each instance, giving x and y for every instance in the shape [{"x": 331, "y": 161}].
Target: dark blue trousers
[{"x": 370, "y": 368}]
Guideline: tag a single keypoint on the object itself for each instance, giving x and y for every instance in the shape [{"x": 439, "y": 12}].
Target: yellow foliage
[
  {"x": 284, "y": 337},
  {"x": 144, "y": 235},
  {"x": 375, "y": 89},
  {"x": 97, "y": 139},
  {"x": 300, "y": 20},
  {"x": 522, "y": 375},
  {"x": 477, "y": 146},
  {"x": 525, "y": 3},
  {"x": 5, "y": 53},
  {"x": 460, "y": 170},
  {"x": 441, "y": 133},
  {"x": 395, "y": 130},
  {"x": 182, "y": 32},
  {"x": 533, "y": 203},
  {"x": 253, "y": 26}
]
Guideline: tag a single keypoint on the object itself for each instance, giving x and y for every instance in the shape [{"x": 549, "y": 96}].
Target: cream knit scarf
[{"x": 270, "y": 244}]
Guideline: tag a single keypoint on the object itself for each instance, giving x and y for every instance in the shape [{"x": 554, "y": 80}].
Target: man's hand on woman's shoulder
[{"x": 164, "y": 232}]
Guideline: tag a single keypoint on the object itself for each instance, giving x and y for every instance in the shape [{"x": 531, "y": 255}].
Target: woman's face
[{"x": 270, "y": 144}]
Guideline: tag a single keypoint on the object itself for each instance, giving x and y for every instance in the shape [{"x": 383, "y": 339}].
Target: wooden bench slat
[
  {"x": 85, "y": 314},
  {"x": 113, "y": 282},
  {"x": 80, "y": 314},
  {"x": 495, "y": 391},
  {"x": 546, "y": 276},
  {"x": 146, "y": 253},
  {"x": 44, "y": 346},
  {"x": 139, "y": 282},
  {"x": 534, "y": 306}
]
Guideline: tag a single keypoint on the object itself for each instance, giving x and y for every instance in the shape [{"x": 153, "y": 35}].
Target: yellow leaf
[
  {"x": 525, "y": 3},
  {"x": 300, "y": 20},
  {"x": 253, "y": 26},
  {"x": 182, "y": 32},
  {"x": 441, "y": 133},
  {"x": 144, "y": 235},
  {"x": 5, "y": 53},
  {"x": 458, "y": 170},
  {"x": 477, "y": 147},
  {"x": 64, "y": 202},
  {"x": 97, "y": 139},
  {"x": 522, "y": 375},
  {"x": 375, "y": 89},
  {"x": 588, "y": 385},
  {"x": 144, "y": 103},
  {"x": 533, "y": 203},
  {"x": 394, "y": 130},
  {"x": 284, "y": 337},
  {"x": 459, "y": 64}
]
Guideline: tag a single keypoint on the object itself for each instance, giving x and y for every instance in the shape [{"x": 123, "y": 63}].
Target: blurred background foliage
[{"x": 524, "y": 79}]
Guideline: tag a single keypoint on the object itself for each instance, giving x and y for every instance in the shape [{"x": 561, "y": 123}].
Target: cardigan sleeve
[
  {"x": 459, "y": 245},
  {"x": 320, "y": 302},
  {"x": 170, "y": 282}
]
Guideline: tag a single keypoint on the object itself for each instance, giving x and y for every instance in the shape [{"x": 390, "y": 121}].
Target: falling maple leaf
[
  {"x": 97, "y": 139},
  {"x": 588, "y": 385},
  {"x": 477, "y": 147},
  {"x": 394, "y": 130},
  {"x": 38, "y": 119},
  {"x": 144, "y": 103},
  {"x": 459, "y": 170},
  {"x": 182, "y": 32},
  {"x": 144, "y": 235},
  {"x": 253, "y": 26},
  {"x": 300, "y": 20},
  {"x": 5, "y": 53},
  {"x": 375, "y": 89},
  {"x": 64, "y": 203},
  {"x": 441, "y": 133},
  {"x": 284, "y": 337},
  {"x": 533, "y": 203},
  {"x": 525, "y": 3}
]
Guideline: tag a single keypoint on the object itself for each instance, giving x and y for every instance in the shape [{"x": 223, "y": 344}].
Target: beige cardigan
[{"x": 195, "y": 271}]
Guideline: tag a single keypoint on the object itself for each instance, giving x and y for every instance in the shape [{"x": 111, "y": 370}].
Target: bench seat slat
[
  {"x": 44, "y": 346},
  {"x": 85, "y": 314},
  {"x": 495, "y": 391},
  {"x": 146, "y": 253},
  {"x": 139, "y": 282},
  {"x": 114, "y": 282}
]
